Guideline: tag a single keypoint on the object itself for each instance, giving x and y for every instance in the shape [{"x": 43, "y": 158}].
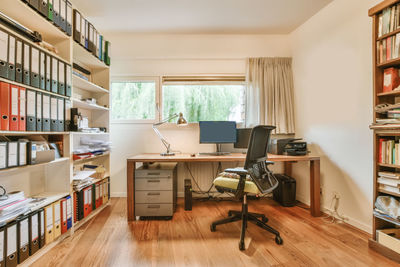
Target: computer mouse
[{"x": 193, "y": 155}]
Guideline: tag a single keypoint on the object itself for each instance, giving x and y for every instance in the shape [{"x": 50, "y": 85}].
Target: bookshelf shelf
[
  {"x": 92, "y": 158},
  {"x": 392, "y": 93},
  {"x": 389, "y": 63},
  {"x": 21, "y": 133},
  {"x": 32, "y": 88},
  {"x": 389, "y": 193},
  {"x": 388, "y": 35},
  {"x": 83, "y": 56},
  {"x": 87, "y": 86},
  {"x": 382, "y": 217},
  {"x": 25, "y": 167},
  {"x": 76, "y": 103},
  {"x": 389, "y": 165}
]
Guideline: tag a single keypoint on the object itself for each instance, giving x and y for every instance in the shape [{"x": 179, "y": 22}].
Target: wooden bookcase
[
  {"x": 54, "y": 179},
  {"x": 389, "y": 131}
]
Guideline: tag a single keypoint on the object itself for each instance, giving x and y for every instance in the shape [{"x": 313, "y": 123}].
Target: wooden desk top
[{"x": 233, "y": 157}]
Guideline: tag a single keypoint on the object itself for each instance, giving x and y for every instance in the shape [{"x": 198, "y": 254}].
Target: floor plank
[{"x": 186, "y": 240}]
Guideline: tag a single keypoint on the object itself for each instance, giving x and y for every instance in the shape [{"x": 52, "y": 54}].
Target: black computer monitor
[
  {"x": 217, "y": 132},
  {"x": 243, "y": 137}
]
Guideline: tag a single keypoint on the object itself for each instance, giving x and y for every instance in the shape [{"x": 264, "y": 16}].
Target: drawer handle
[
  {"x": 153, "y": 181},
  {"x": 154, "y": 173},
  {"x": 153, "y": 194},
  {"x": 153, "y": 206}
]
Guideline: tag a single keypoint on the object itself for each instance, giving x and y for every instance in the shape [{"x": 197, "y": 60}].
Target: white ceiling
[{"x": 199, "y": 16}]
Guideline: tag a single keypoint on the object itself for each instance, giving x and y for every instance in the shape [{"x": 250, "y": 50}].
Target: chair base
[{"x": 258, "y": 219}]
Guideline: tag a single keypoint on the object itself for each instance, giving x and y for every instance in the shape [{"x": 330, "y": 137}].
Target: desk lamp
[{"x": 180, "y": 122}]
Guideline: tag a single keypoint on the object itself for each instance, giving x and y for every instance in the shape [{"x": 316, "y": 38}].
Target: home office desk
[{"x": 234, "y": 157}]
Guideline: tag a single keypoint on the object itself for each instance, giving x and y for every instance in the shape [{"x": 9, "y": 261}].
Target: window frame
[{"x": 157, "y": 108}]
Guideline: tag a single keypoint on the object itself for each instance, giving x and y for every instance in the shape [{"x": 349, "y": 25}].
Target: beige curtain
[{"x": 269, "y": 95}]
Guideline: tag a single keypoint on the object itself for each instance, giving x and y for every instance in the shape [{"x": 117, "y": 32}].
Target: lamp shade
[{"x": 181, "y": 120}]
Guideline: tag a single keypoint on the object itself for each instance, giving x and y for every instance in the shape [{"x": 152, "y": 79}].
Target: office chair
[{"x": 255, "y": 178}]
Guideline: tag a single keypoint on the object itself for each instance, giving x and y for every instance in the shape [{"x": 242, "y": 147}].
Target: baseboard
[
  {"x": 119, "y": 194},
  {"x": 353, "y": 222}
]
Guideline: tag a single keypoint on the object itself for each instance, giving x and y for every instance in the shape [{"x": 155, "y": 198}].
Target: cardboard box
[{"x": 389, "y": 238}]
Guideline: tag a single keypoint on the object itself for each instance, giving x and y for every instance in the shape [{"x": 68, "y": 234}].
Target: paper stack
[
  {"x": 82, "y": 179},
  {"x": 12, "y": 205}
]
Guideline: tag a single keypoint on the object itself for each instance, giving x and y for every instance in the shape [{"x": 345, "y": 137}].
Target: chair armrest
[{"x": 239, "y": 171}]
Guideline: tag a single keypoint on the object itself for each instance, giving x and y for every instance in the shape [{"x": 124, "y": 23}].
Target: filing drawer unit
[{"x": 156, "y": 190}]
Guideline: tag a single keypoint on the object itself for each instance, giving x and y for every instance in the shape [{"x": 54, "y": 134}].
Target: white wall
[
  {"x": 154, "y": 55},
  {"x": 332, "y": 68}
]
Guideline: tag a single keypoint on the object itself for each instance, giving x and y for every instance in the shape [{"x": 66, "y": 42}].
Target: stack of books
[
  {"x": 82, "y": 179},
  {"x": 389, "y": 181},
  {"x": 12, "y": 205}
]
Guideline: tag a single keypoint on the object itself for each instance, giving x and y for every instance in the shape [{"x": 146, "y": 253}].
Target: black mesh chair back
[{"x": 256, "y": 158}]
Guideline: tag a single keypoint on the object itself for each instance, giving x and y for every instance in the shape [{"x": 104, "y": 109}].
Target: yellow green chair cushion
[{"x": 229, "y": 180}]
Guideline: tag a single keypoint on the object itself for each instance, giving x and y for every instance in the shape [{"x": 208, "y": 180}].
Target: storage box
[{"x": 389, "y": 238}]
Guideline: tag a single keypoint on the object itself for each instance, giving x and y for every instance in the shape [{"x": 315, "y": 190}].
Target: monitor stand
[{"x": 218, "y": 153}]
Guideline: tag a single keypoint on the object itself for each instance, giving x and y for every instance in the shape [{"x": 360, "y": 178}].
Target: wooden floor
[{"x": 186, "y": 240}]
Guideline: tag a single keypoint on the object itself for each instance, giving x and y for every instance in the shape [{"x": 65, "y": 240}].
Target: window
[
  {"x": 134, "y": 100},
  {"x": 213, "y": 102},
  {"x": 199, "y": 98}
]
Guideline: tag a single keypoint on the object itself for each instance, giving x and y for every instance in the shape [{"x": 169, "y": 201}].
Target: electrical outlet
[{"x": 335, "y": 195}]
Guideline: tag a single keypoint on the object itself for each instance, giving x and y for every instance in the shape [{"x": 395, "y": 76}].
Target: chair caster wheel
[
  {"x": 241, "y": 246},
  {"x": 264, "y": 219},
  {"x": 212, "y": 228},
  {"x": 278, "y": 240},
  {"x": 229, "y": 214}
]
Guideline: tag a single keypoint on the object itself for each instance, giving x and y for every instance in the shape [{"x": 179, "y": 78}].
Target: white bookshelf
[{"x": 53, "y": 179}]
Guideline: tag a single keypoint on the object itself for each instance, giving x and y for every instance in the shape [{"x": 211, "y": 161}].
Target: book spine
[{"x": 380, "y": 151}]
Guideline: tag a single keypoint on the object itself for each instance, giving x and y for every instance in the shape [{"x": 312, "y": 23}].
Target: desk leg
[
  {"x": 315, "y": 188},
  {"x": 288, "y": 168},
  {"x": 130, "y": 168}
]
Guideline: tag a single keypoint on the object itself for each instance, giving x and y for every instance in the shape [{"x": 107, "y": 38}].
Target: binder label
[
  {"x": 78, "y": 21},
  {"x": 14, "y": 100},
  {"x": 46, "y": 106},
  {"x": 57, "y": 213},
  {"x": 39, "y": 106},
  {"x": 11, "y": 239},
  {"x": 22, "y": 102},
  {"x": 42, "y": 223},
  {"x": 22, "y": 153},
  {"x": 35, "y": 60},
  {"x": 53, "y": 111},
  {"x": 61, "y": 109},
  {"x": 19, "y": 52},
  {"x": 31, "y": 103},
  {"x": 64, "y": 209},
  {"x": 11, "y": 58},
  {"x": 24, "y": 233},
  {"x": 61, "y": 78},
  {"x": 35, "y": 227},
  {"x": 26, "y": 57},
  {"x": 49, "y": 218},
  {"x": 3, "y": 46},
  {"x": 48, "y": 65},
  {"x": 12, "y": 153},
  {"x": 69, "y": 208}
]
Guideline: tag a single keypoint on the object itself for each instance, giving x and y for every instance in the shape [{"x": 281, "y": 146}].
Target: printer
[{"x": 288, "y": 146}]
